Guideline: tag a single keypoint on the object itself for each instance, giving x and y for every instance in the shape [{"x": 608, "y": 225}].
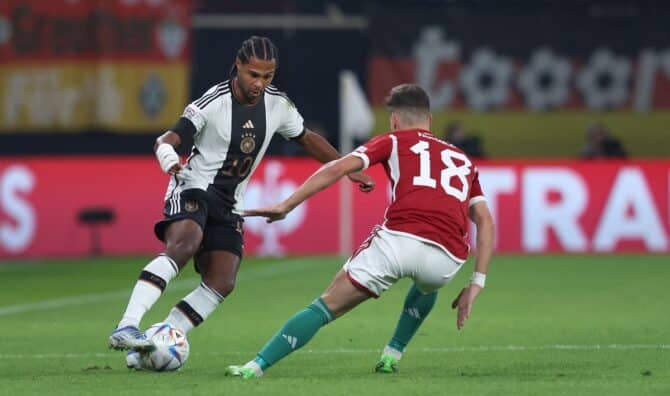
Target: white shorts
[{"x": 385, "y": 257}]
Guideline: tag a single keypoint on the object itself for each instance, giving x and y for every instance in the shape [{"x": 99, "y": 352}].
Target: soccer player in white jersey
[
  {"x": 423, "y": 237},
  {"x": 232, "y": 125}
]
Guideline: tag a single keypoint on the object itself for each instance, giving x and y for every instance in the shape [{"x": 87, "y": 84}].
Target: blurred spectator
[
  {"x": 470, "y": 144},
  {"x": 601, "y": 144}
]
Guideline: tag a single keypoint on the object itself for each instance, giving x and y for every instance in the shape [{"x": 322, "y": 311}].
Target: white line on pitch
[
  {"x": 178, "y": 285},
  {"x": 482, "y": 348}
]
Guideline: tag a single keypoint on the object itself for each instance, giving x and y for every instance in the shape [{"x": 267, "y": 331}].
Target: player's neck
[
  {"x": 424, "y": 127},
  {"x": 239, "y": 94}
]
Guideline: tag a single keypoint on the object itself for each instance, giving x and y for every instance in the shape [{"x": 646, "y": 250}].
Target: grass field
[{"x": 545, "y": 325}]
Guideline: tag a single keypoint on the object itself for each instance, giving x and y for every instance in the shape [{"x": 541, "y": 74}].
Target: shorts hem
[{"x": 358, "y": 285}]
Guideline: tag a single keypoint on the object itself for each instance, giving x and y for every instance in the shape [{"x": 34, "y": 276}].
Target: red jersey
[{"x": 434, "y": 183}]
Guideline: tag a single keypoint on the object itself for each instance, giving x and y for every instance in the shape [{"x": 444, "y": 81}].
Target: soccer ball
[{"x": 171, "y": 348}]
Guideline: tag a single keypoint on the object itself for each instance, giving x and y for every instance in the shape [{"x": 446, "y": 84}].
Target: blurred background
[{"x": 564, "y": 105}]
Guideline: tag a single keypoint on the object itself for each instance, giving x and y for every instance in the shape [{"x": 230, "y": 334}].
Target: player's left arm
[
  {"x": 320, "y": 149},
  {"x": 480, "y": 215},
  {"x": 328, "y": 174}
]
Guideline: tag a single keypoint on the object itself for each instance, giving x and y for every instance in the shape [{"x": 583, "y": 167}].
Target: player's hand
[
  {"x": 271, "y": 213},
  {"x": 365, "y": 182},
  {"x": 176, "y": 169},
  {"x": 464, "y": 302}
]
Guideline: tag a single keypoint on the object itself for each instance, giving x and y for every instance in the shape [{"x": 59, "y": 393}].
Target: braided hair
[{"x": 259, "y": 47}]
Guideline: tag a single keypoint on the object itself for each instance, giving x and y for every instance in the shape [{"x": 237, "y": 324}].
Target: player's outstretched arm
[
  {"x": 322, "y": 178},
  {"x": 320, "y": 149},
  {"x": 480, "y": 215}
]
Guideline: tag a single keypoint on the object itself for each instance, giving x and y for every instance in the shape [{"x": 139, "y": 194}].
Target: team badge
[
  {"x": 248, "y": 143},
  {"x": 191, "y": 206}
]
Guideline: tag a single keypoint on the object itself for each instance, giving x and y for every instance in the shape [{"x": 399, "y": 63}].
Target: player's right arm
[
  {"x": 374, "y": 151},
  {"x": 326, "y": 175},
  {"x": 190, "y": 123},
  {"x": 167, "y": 156}
]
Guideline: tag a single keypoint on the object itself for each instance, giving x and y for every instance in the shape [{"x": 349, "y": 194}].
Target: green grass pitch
[{"x": 545, "y": 325}]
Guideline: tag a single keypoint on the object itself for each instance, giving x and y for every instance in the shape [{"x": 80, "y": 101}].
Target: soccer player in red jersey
[{"x": 435, "y": 192}]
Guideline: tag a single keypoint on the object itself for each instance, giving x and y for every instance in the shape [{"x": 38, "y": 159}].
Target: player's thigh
[
  {"x": 182, "y": 238},
  {"x": 373, "y": 268},
  {"x": 185, "y": 215},
  {"x": 223, "y": 232},
  {"x": 218, "y": 269},
  {"x": 221, "y": 252},
  {"x": 342, "y": 295},
  {"x": 434, "y": 269}
]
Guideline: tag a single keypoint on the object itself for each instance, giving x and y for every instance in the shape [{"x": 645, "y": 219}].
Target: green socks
[
  {"x": 300, "y": 328},
  {"x": 295, "y": 333},
  {"x": 416, "y": 309}
]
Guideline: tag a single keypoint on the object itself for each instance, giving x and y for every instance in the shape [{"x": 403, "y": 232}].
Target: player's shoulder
[
  {"x": 429, "y": 136},
  {"x": 214, "y": 93},
  {"x": 274, "y": 94}
]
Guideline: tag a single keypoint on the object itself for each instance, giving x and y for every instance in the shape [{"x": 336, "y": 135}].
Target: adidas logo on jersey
[{"x": 248, "y": 125}]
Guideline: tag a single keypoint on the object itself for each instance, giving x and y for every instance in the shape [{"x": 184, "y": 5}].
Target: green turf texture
[{"x": 545, "y": 325}]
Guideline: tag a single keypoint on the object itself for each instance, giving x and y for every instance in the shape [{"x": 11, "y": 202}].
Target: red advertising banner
[
  {"x": 539, "y": 206},
  {"x": 573, "y": 206}
]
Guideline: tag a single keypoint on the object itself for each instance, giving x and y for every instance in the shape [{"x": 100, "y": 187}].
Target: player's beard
[{"x": 247, "y": 94}]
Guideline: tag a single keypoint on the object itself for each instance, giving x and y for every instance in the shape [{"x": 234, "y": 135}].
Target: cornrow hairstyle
[{"x": 259, "y": 47}]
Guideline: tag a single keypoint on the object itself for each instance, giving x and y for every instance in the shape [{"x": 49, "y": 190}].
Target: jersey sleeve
[
  {"x": 476, "y": 193},
  {"x": 291, "y": 125},
  {"x": 376, "y": 150},
  {"x": 196, "y": 111},
  {"x": 195, "y": 115}
]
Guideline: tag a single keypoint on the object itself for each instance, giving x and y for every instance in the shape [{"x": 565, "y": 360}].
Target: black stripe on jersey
[
  {"x": 278, "y": 93},
  {"x": 153, "y": 279},
  {"x": 281, "y": 95},
  {"x": 194, "y": 317},
  {"x": 210, "y": 100},
  {"x": 208, "y": 95},
  {"x": 205, "y": 97},
  {"x": 204, "y": 101},
  {"x": 271, "y": 89},
  {"x": 212, "y": 95}
]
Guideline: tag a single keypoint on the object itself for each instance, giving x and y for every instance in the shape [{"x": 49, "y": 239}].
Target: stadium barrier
[{"x": 539, "y": 206}]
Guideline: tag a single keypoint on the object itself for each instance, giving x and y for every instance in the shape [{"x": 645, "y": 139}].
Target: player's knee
[
  {"x": 222, "y": 286},
  {"x": 182, "y": 249}
]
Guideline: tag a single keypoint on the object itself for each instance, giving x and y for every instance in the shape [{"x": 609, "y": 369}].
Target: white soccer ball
[{"x": 171, "y": 351}]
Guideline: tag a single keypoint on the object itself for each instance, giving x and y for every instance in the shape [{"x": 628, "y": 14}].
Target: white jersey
[{"x": 231, "y": 139}]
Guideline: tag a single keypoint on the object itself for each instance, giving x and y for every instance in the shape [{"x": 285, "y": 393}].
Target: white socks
[
  {"x": 256, "y": 367},
  {"x": 393, "y": 352},
  {"x": 194, "y": 308},
  {"x": 153, "y": 280}
]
